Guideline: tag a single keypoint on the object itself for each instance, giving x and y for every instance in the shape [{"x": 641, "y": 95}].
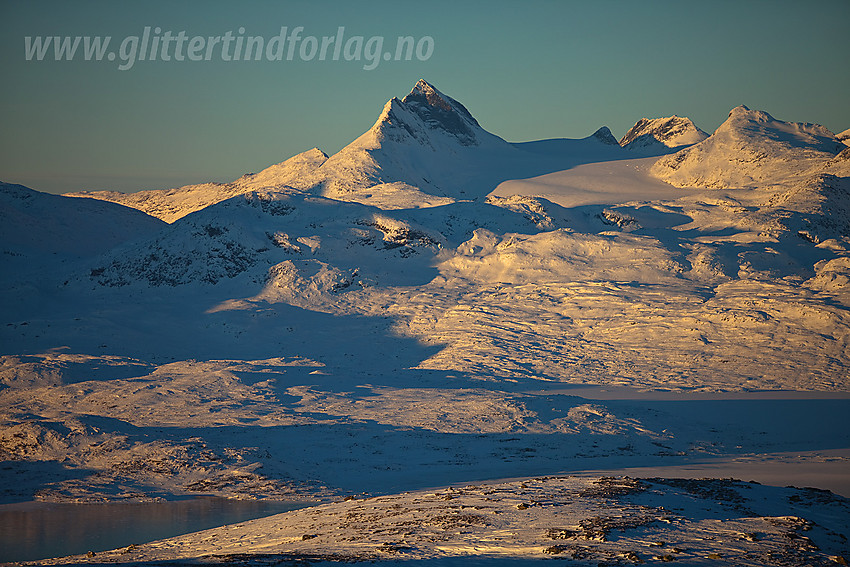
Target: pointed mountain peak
[
  {"x": 423, "y": 87},
  {"x": 424, "y": 93},
  {"x": 605, "y": 136},
  {"x": 438, "y": 112},
  {"x": 672, "y": 132}
]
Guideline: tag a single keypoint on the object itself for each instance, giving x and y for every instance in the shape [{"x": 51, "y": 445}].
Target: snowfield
[{"x": 387, "y": 332}]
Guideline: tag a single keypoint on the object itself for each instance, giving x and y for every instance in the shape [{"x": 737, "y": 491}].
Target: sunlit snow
[{"x": 391, "y": 331}]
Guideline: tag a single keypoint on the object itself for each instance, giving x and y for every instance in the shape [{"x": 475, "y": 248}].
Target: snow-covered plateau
[{"x": 452, "y": 347}]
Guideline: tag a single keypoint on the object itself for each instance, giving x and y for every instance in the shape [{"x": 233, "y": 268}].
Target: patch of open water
[{"x": 30, "y": 531}]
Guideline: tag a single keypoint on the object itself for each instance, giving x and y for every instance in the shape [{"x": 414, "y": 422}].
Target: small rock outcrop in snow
[{"x": 659, "y": 133}]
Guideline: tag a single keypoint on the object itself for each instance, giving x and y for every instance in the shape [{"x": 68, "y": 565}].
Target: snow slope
[
  {"x": 750, "y": 148},
  {"x": 35, "y": 223},
  {"x": 602, "y": 183},
  {"x": 39, "y": 231},
  {"x": 170, "y": 205}
]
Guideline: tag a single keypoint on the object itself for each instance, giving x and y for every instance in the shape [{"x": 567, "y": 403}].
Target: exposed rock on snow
[
  {"x": 605, "y": 136},
  {"x": 268, "y": 234},
  {"x": 651, "y": 134},
  {"x": 440, "y": 112}
]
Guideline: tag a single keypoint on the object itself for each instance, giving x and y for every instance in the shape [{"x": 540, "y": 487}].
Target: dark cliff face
[{"x": 441, "y": 112}]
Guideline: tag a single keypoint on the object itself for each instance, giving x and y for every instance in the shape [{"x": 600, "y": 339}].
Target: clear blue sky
[{"x": 526, "y": 70}]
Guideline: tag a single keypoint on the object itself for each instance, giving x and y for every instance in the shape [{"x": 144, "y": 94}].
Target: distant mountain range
[{"x": 424, "y": 151}]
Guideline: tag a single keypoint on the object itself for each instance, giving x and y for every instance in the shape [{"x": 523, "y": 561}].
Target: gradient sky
[{"x": 526, "y": 70}]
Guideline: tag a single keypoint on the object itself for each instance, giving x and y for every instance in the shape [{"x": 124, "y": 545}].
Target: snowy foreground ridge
[
  {"x": 389, "y": 332},
  {"x": 610, "y": 521}
]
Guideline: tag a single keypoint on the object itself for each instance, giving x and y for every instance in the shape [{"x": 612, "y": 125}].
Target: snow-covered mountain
[
  {"x": 424, "y": 150},
  {"x": 654, "y": 134},
  {"x": 605, "y": 136},
  {"x": 257, "y": 231},
  {"x": 304, "y": 246},
  {"x": 172, "y": 204},
  {"x": 427, "y": 149},
  {"x": 751, "y": 148},
  {"x": 844, "y": 136},
  {"x": 36, "y": 226}
]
